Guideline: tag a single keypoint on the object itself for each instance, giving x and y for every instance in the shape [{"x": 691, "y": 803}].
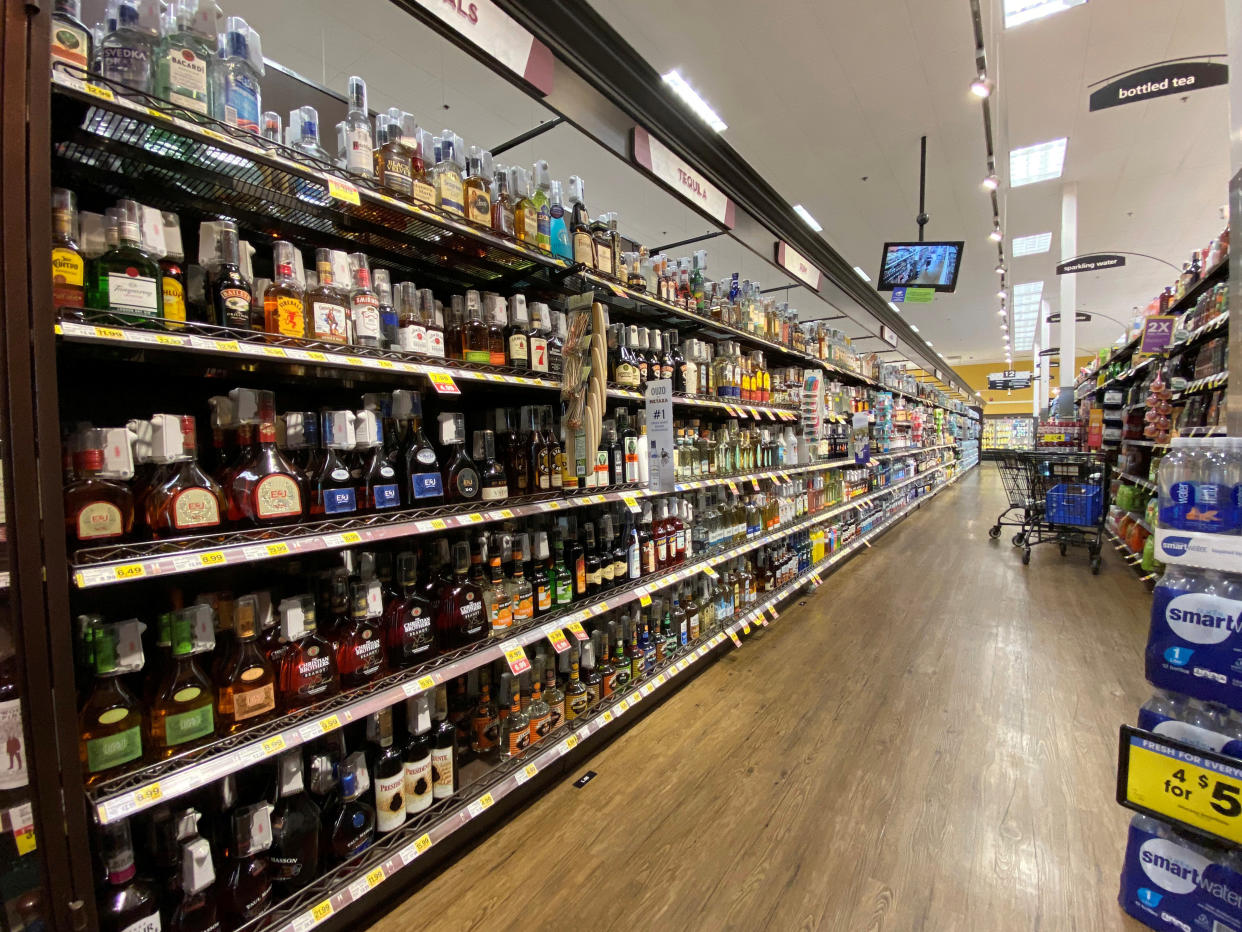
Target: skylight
[
  {"x": 807, "y": 218},
  {"x": 1040, "y": 162},
  {"x": 696, "y": 103},
  {"x": 1018, "y": 12},
  {"x": 1026, "y": 300},
  {"x": 1031, "y": 245}
]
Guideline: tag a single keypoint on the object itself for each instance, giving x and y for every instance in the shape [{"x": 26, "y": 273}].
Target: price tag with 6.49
[{"x": 1180, "y": 782}]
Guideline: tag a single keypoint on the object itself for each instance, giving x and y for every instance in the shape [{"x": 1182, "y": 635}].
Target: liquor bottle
[
  {"x": 448, "y": 185},
  {"x": 593, "y": 571},
  {"x": 502, "y": 203},
  {"x": 475, "y": 346},
  {"x": 327, "y": 312},
  {"x": 553, "y": 695},
  {"x": 538, "y": 337},
  {"x": 540, "y": 714},
  {"x": 607, "y": 667},
  {"x": 125, "y": 279},
  {"x": 246, "y": 882},
  {"x": 308, "y": 670},
  {"x": 492, "y": 479},
  {"x": 387, "y": 772},
  {"x": 677, "y": 534},
  {"x": 515, "y": 727},
  {"x": 185, "y": 54},
  {"x": 477, "y": 198},
  {"x": 562, "y": 577},
  {"x": 236, "y": 97},
  {"x": 580, "y": 224},
  {"x": 394, "y": 167},
  {"x": 380, "y": 487},
  {"x": 542, "y": 577},
  {"x": 411, "y": 333},
  {"x": 294, "y": 855},
  {"x": 111, "y": 722},
  {"x": 558, "y": 230},
  {"x": 461, "y": 476},
  {"x": 521, "y": 590},
  {"x": 350, "y": 822},
  {"x": 360, "y": 655},
  {"x": 591, "y": 678},
  {"x": 498, "y": 600},
  {"x": 556, "y": 345},
  {"x": 443, "y": 749},
  {"x": 334, "y": 489},
  {"x": 420, "y": 468},
  {"x": 462, "y": 616},
  {"x": 283, "y": 300},
  {"x": 230, "y": 294},
  {"x": 197, "y": 899},
  {"x": 541, "y": 197},
  {"x": 247, "y": 692},
  {"x": 604, "y": 262},
  {"x": 417, "y": 756},
  {"x": 433, "y": 322},
  {"x": 364, "y": 304},
  {"x": 72, "y": 42},
  {"x": 576, "y": 698},
  {"x": 303, "y": 134},
  {"x": 183, "y": 710},
  {"x": 127, "y": 902},
  {"x": 517, "y": 335},
  {"x": 356, "y": 149},
  {"x": 266, "y": 490},
  {"x": 494, "y": 308},
  {"x": 172, "y": 274},
  {"x": 525, "y": 213},
  {"x": 127, "y": 54},
  {"x": 96, "y": 509},
  {"x": 408, "y": 619},
  {"x": 68, "y": 262}
]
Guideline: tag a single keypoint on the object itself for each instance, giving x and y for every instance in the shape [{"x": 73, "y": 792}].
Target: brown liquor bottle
[
  {"x": 183, "y": 710},
  {"x": 96, "y": 509},
  {"x": 247, "y": 693},
  {"x": 111, "y": 721},
  {"x": 189, "y": 501},
  {"x": 267, "y": 490},
  {"x": 283, "y": 301}
]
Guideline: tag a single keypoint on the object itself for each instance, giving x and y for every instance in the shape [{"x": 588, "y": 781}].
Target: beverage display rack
[
  {"x": 348, "y": 884},
  {"x": 146, "y": 786}
]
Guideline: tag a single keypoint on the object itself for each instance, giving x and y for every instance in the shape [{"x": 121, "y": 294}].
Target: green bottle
[
  {"x": 563, "y": 580},
  {"x": 125, "y": 280}
]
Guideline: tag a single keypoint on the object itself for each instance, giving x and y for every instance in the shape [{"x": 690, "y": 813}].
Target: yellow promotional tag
[
  {"x": 575, "y": 628},
  {"x": 343, "y": 191},
  {"x": 737, "y": 642},
  {"x": 732, "y": 486},
  {"x": 443, "y": 383},
  {"x": 273, "y": 745},
  {"x": 24, "y": 838},
  {"x": 644, "y": 599},
  {"x": 746, "y": 627},
  {"x": 101, "y": 92},
  {"x": 559, "y": 643},
  {"x": 516, "y": 656},
  {"x": 710, "y": 571}
]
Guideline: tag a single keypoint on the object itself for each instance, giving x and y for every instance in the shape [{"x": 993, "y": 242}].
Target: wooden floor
[{"x": 928, "y": 742}]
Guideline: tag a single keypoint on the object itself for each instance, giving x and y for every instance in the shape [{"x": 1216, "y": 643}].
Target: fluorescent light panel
[
  {"x": 807, "y": 218},
  {"x": 1026, "y": 302},
  {"x": 696, "y": 103},
  {"x": 861, "y": 274},
  {"x": 1018, "y": 12},
  {"x": 1032, "y": 245},
  {"x": 1040, "y": 162}
]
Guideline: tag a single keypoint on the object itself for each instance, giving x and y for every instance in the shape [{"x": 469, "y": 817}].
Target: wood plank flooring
[{"x": 928, "y": 742}]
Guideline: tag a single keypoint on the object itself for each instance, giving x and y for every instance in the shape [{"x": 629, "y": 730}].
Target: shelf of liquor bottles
[
  {"x": 398, "y": 850},
  {"x": 121, "y": 796},
  {"x": 132, "y": 145}
]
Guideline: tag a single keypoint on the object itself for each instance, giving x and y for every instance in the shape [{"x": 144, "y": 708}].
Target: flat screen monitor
[{"x": 920, "y": 265}]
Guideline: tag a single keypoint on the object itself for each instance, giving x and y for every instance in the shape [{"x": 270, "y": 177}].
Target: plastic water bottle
[
  {"x": 1233, "y": 475},
  {"x": 1213, "y": 511},
  {"x": 1179, "y": 474}
]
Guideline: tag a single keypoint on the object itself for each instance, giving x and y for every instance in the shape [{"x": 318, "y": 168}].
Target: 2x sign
[{"x": 1160, "y": 80}]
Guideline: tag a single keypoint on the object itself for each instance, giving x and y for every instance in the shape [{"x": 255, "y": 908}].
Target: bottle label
[
  {"x": 130, "y": 66},
  {"x": 577, "y": 705},
  {"x": 150, "y": 924},
  {"x": 539, "y": 354},
  {"x": 329, "y": 321},
  {"x": 390, "y": 801},
  {"x": 478, "y": 355},
  {"x": 277, "y": 496},
  {"x": 397, "y": 176},
  {"x": 251, "y": 702},
  {"x": 631, "y": 459},
  {"x": 12, "y": 769},
  {"x": 495, "y": 493},
  {"x": 412, "y": 338},
  {"x": 241, "y": 101},
  {"x": 69, "y": 45},
  {"x": 359, "y": 157},
  {"x": 472, "y": 617},
  {"x": 133, "y": 293},
  {"x": 442, "y": 776},
  {"x": 100, "y": 520},
  {"x": 174, "y": 298},
  {"x": 187, "y": 79},
  {"x": 235, "y": 303},
  {"x": 519, "y": 351},
  {"x": 290, "y": 321},
  {"x": 187, "y": 726},
  {"x": 385, "y": 496},
  {"x": 603, "y": 258},
  {"x": 418, "y": 796},
  {"x": 479, "y": 208},
  {"x": 68, "y": 277},
  {"x": 626, "y": 374},
  {"x": 584, "y": 249},
  {"x": 195, "y": 508},
  {"x": 543, "y": 596},
  {"x": 661, "y": 547},
  {"x": 539, "y": 726},
  {"x": 500, "y": 613},
  {"x": 519, "y": 741},
  {"x": 467, "y": 483},
  {"x": 366, "y": 317},
  {"x": 113, "y": 750},
  {"x": 530, "y": 227},
  {"x": 448, "y": 192},
  {"x": 543, "y": 228},
  {"x": 556, "y": 714},
  {"x": 427, "y": 485},
  {"x": 435, "y": 343},
  {"x": 339, "y": 501}
]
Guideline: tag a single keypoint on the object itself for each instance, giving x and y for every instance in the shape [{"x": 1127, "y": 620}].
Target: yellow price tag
[
  {"x": 24, "y": 838},
  {"x": 275, "y": 351},
  {"x": 215, "y": 558},
  {"x": 607, "y": 716},
  {"x": 353, "y": 360},
  {"x": 212, "y": 134},
  {"x": 732, "y": 486},
  {"x": 331, "y": 723},
  {"x": 273, "y": 745},
  {"x": 317, "y": 356},
  {"x": 737, "y": 642},
  {"x": 167, "y": 340},
  {"x": 101, "y": 92},
  {"x": 516, "y": 656},
  {"x": 422, "y": 843},
  {"x": 148, "y": 794},
  {"x": 386, "y": 364},
  {"x": 746, "y": 627},
  {"x": 575, "y": 628},
  {"x": 644, "y": 599},
  {"x": 130, "y": 571},
  {"x": 343, "y": 191},
  {"x": 109, "y": 333},
  {"x": 321, "y": 911},
  {"x": 438, "y": 524},
  {"x": 277, "y": 550},
  {"x": 506, "y": 513},
  {"x": 559, "y": 643},
  {"x": 710, "y": 571},
  {"x": 228, "y": 346},
  {"x": 486, "y": 800},
  {"x": 1184, "y": 785},
  {"x": 475, "y": 517},
  {"x": 531, "y": 770},
  {"x": 571, "y": 742},
  {"x": 443, "y": 383},
  {"x": 351, "y": 537},
  {"x": 376, "y": 877},
  {"x": 426, "y": 682}
]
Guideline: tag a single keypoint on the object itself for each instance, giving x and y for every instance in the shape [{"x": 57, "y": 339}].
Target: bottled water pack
[
  {"x": 1201, "y": 485},
  {"x": 1193, "y": 645}
]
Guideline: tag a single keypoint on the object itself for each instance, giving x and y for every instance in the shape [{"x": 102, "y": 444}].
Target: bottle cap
[
  {"x": 452, "y": 427},
  {"x": 357, "y": 94},
  {"x": 339, "y": 430},
  {"x": 382, "y": 284}
]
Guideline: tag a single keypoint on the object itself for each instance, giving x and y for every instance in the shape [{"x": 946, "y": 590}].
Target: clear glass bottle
[
  {"x": 394, "y": 169},
  {"x": 357, "y": 145},
  {"x": 68, "y": 261},
  {"x": 128, "y": 53},
  {"x": 364, "y": 304},
  {"x": 304, "y": 134},
  {"x": 476, "y": 192},
  {"x": 502, "y": 203},
  {"x": 247, "y": 692},
  {"x": 111, "y": 723},
  {"x": 184, "y": 706},
  {"x": 236, "y": 97},
  {"x": 447, "y": 173},
  {"x": 525, "y": 213},
  {"x": 188, "y": 54},
  {"x": 283, "y": 302}
]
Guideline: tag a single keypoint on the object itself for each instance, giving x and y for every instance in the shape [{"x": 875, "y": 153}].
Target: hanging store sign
[
  {"x": 1009, "y": 380},
  {"x": 920, "y": 295},
  {"x": 1090, "y": 264},
  {"x": 658, "y": 159},
  {"x": 888, "y": 336},
  {"x": 1161, "y": 80},
  {"x": 494, "y": 31},
  {"x": 1157, "y": 334},
  {"x": 797, "y": 265}
]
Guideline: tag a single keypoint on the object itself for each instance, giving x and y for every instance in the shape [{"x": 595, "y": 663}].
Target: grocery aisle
[{"x": 928, "y": 742}]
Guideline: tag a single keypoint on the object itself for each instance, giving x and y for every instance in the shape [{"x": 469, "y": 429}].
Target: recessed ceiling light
[
  {"x": 692, "y": 99},
  {"x": 991, "y": 182},
  {"x": 807, "y": 218},
  {"x": 861, "y": 274},
  {"x": 930, "y": 344},
  {"x": 894, "y": 307},
  {"x": 981, "y": 87},
  {"x": 1018, "y": 12},
  {"x": 1031, "y": 245},
  {"x": 1040, "y": 162},
  {"x": 1001, "y": 312},
  {"x": 914, "y": 328}
]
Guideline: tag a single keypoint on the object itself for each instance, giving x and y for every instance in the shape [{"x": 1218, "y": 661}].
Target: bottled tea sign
[{"x": 1179, "y": 77}]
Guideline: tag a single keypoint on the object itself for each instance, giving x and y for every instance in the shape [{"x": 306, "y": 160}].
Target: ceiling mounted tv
[{"x": 920, "y": 265}]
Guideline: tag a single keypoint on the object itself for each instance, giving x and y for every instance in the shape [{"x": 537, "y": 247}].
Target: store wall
[{"x": 1015, "y": 402}]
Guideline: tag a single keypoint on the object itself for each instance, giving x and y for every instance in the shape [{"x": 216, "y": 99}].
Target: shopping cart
[
  {"x": 1017, "y": 475},
  {"x": 1070, "y": 491}
]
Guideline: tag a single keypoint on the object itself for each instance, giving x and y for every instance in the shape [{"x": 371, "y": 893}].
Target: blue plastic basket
[{"x": 1074, "y": 504}]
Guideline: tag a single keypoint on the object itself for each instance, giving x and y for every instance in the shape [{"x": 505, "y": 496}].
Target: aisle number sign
[{"x": 1179, "y": 782}]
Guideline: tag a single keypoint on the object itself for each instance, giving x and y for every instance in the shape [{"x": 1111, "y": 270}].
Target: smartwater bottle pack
[
  {"x": 1173, "y": 884},
  {"x": 1194, "y": 646},
  {"x": 1203, "y": 725}
]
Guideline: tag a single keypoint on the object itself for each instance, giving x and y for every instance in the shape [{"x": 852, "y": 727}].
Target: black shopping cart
[
  {"x": 1069, "y": 492},
  {"x": 1017, "y": 475}
]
